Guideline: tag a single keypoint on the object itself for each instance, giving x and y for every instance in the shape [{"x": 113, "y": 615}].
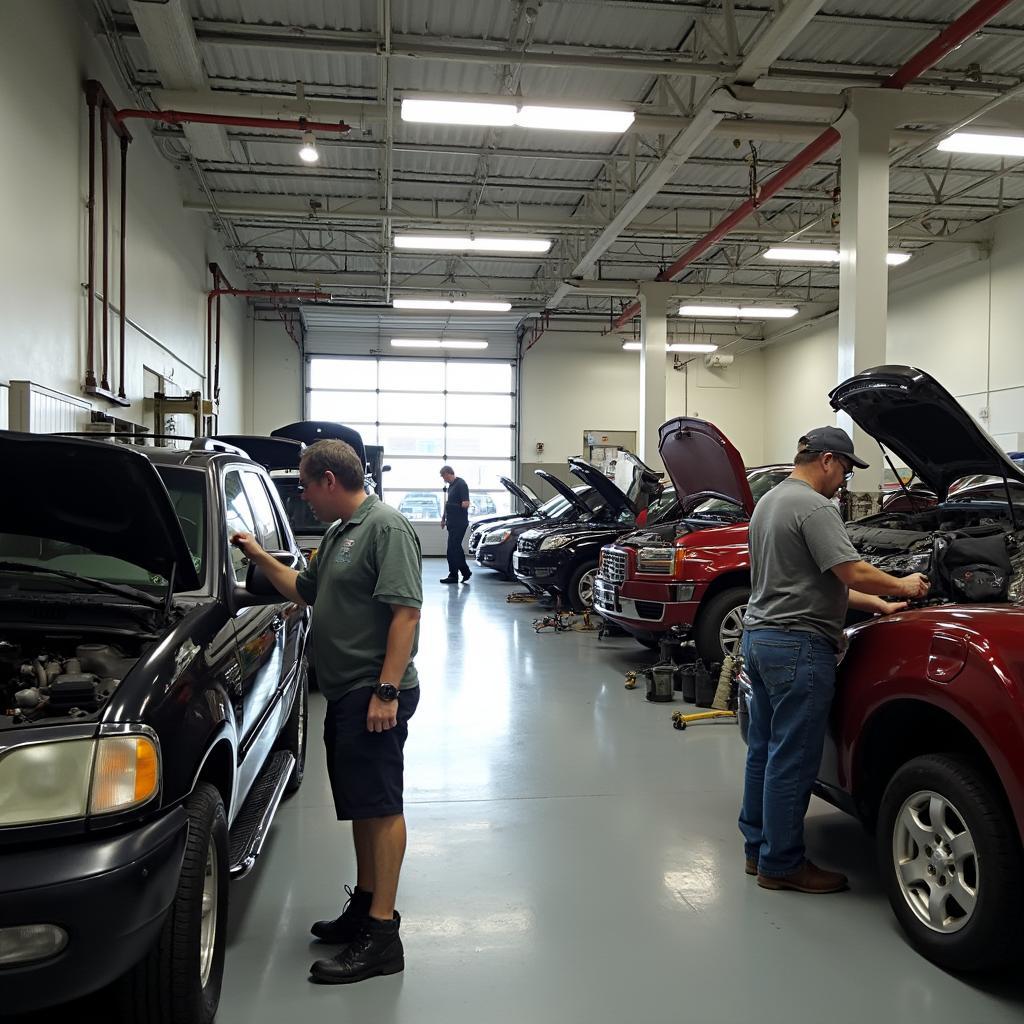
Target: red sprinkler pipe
[
  {"x": 194, "y": 117},
  {"x": 952, "y": 36}
]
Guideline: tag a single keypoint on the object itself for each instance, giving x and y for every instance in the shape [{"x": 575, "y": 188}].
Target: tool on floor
[
  {"x": 520, "y": 597},
  {"x": 724, "y": 701},
  {"x": 631, "y": 679},
  {"x": 559, "y": 622}
]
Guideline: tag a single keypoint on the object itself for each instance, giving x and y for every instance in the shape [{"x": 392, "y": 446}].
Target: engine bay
[
  {"x": 901, "y": 543},
  {"x": 65, "y": 677}
]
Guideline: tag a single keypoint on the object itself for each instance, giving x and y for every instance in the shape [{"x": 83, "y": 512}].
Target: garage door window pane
[
  {"x": 479, "y": 409},
  {"x": 483, "y": 474},
  {"x": 483, "y": 441},
  {"x": 343, "y": 406},
  {"x": 417, "y": 505},
  {"x": 472, "y": 376},
  {"x": 410, "y": 474},
  {"x": 411, "y": 407},
  {"x": 398, "y": 440},
  {"x": 408, "y": 375},
  {"x": 354, "y": 374}
]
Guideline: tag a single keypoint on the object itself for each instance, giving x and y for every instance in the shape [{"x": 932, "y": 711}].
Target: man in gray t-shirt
[{"x": 805, "y": 574}]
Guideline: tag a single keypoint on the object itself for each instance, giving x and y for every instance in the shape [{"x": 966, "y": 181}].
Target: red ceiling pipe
[
  {"x": 194, "y": 117},
  {"x": 104, "y": 186},
  {"x": 951, "y": 37},
  {"x": 124, "y": 268},
  {"x": 92, "y": 99}
]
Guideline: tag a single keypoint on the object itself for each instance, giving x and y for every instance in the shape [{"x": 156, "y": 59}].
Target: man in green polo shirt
[{"x": 366, "y": 589}]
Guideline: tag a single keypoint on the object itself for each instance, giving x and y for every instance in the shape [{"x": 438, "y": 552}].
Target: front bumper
[
  {"x": 495, "y": 556},
  {"x": 538, "y": 570},
  {"x": 109, "y": 894},
  {"x": 647, "y": 607}
]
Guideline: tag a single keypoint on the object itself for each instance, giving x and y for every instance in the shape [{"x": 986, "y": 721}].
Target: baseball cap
[{"x": 831, "y": 439}]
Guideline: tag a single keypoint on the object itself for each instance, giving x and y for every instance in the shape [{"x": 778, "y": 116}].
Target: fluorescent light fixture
[
  {"x": 795, "y": 254},
  {"x": 509, "y": 114},
  {"x": 309, "y": 152},
  {"x": 435, "y": 343},
  {"x": 740, "y": 312},
  {"x": 463, "y": 243},
  {"x": 470, "y": 305},
  {"x": 675, "y": 346},
  {"x": 983, "y": 145}
]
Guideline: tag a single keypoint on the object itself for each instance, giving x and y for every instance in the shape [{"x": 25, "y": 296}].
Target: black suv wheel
[{"x": 581, "y": 586}]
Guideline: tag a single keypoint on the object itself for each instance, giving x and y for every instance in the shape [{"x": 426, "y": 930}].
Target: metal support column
[
  {"x": 863, "y": 245},
  {"x": 653, "y": 341}
]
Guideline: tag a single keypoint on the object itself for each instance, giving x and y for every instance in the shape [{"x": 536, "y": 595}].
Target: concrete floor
[{"x": 572, "y": 857}]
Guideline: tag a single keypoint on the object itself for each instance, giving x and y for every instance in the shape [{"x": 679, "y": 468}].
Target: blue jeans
[{"x": 793, "y": 676}]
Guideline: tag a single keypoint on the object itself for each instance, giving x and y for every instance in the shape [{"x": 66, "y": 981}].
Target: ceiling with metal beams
[{"x": 620, "y": 208}]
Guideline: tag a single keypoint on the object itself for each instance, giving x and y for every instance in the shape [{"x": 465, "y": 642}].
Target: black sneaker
[
  {"x": 449, "y": 579},
  {"x": 377, "y": 951},
  {"x": 349, "y": 923},
  {"x": 465, "y": 576}
]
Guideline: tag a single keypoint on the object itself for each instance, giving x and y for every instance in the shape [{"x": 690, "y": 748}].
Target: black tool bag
[{"x": 972, "y": 567}]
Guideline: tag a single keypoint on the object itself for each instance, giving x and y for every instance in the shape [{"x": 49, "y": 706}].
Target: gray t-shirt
[{"x": 796, "y": 536}]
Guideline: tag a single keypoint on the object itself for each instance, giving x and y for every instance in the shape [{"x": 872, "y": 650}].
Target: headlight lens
[
  {"x": 554, "y": 543},
  {"x": 498, "y": 537},
  {"x": 656, "y": 560},
  {"x": 45, "y": 781},
  {"x": 127, "y": 773},
  {"x": 42, "y": 782}
]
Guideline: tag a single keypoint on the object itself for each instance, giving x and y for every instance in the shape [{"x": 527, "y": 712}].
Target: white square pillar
[{"x": 653, "y": 341}]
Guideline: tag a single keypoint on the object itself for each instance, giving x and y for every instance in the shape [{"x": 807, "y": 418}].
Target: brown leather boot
[
  {"x": 807, "y": 878},
  {"x": 750, "y": 866}
]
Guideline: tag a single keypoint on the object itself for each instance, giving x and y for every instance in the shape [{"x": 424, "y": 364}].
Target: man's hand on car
[
  {"x": 890, "y": 607},
  {"x": 381, "y": 714},
  {"x": 914, "y": 586},
  {"x": 249, "y": 545}
]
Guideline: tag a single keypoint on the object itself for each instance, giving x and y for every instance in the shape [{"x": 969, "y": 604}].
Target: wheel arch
[
  {"x": 901, "y": 730},
  {"x": 218, "y": 769},
  {"x": 725, "y": 581}
]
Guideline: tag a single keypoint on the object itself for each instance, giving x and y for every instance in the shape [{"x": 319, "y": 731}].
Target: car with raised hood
[
  {"x": 494, "y": 545},
  {"x": 152, "y": 716},
  {"x": 561, "y": 559},
  {"x": 691, "y": 576},
  {"x": 926, "y": 735}
]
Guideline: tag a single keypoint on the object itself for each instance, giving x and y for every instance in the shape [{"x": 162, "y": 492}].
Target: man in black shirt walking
[{"x": 456, "y": 518}]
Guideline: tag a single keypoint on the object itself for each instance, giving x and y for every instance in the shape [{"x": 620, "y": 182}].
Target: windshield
[
  {"x": 187, "y": 490},
  {"x": 299, "y": 514},
  {"x": 761, "y": 482},
  {"x": 557, "y": 506},
  {"x": 663, "y": 507}
]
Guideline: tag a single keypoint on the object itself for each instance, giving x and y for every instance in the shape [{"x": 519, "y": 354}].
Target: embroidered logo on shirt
[{"x": 344, "y": 555}]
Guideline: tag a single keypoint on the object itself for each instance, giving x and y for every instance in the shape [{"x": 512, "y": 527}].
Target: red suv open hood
[{"x": 702, "y": 463}]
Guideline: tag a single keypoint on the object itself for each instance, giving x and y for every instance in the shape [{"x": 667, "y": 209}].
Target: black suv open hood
[
  {"x": 645, "y": 483},
  {"x": 702, "y": 463},
  {"x": 270, "y": 452},
  {"x": 565, "y": 491},
  {"x": 98, "y": 494},
  {"x": 310, "y": 431},
  {"x": 530, "y": 502},
  {"x": 917, "y": 419}
]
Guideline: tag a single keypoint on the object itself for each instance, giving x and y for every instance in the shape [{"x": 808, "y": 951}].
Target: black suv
[
  {"x": 562, "y": 559},
  {"x": 152, "y": 716}
]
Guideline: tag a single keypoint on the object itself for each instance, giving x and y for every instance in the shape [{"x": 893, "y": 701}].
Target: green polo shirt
[{"x": 362, "y": 567}]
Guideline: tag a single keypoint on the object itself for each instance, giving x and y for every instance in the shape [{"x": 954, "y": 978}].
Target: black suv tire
[
  {"x": 576, "y": 601},
  {"x": 708, "y": 628},
  {"x": 166, "y": 986},
  {"x": 972, "y": 807},
  {"x": 295, "y": 731}
]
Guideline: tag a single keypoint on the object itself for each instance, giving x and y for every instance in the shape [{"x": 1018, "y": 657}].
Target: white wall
[
  {"x": 47, "y": 50},
  {"x": 963, "y": 327},
  {"x": 274, "y": 381},
  {"x": 576, "y": 381}
]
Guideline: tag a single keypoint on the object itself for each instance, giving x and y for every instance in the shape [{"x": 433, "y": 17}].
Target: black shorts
[{"x": 366, "y": 768}]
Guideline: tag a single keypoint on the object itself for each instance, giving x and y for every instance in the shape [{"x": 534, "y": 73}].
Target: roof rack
[
  {"x": 104, "y": 435},
  {"x": 212, "y": 444}
]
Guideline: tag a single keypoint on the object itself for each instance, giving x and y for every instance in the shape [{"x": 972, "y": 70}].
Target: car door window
[
  {"x": 267, "y": 531},
  {"x": 238, "y": 518}
]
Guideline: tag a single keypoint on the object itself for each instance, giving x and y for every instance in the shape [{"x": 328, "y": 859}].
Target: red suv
[
  {"x": 690, "y": 576},
  {"x": 926, "y": 736}
]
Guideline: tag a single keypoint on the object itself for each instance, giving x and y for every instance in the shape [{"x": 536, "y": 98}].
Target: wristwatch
[{"x": 386, "y": 691}]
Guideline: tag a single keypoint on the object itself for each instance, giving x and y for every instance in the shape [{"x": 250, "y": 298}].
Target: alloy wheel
[
  {"x": 208, "y": 920},
  {"x": 730, "y": 634},
  {"x": 936, "y": 861},
  {"x": 585, "y": 589}
]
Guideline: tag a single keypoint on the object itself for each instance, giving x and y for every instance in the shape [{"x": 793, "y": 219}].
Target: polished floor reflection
[{"x": 573, "y": 858}]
